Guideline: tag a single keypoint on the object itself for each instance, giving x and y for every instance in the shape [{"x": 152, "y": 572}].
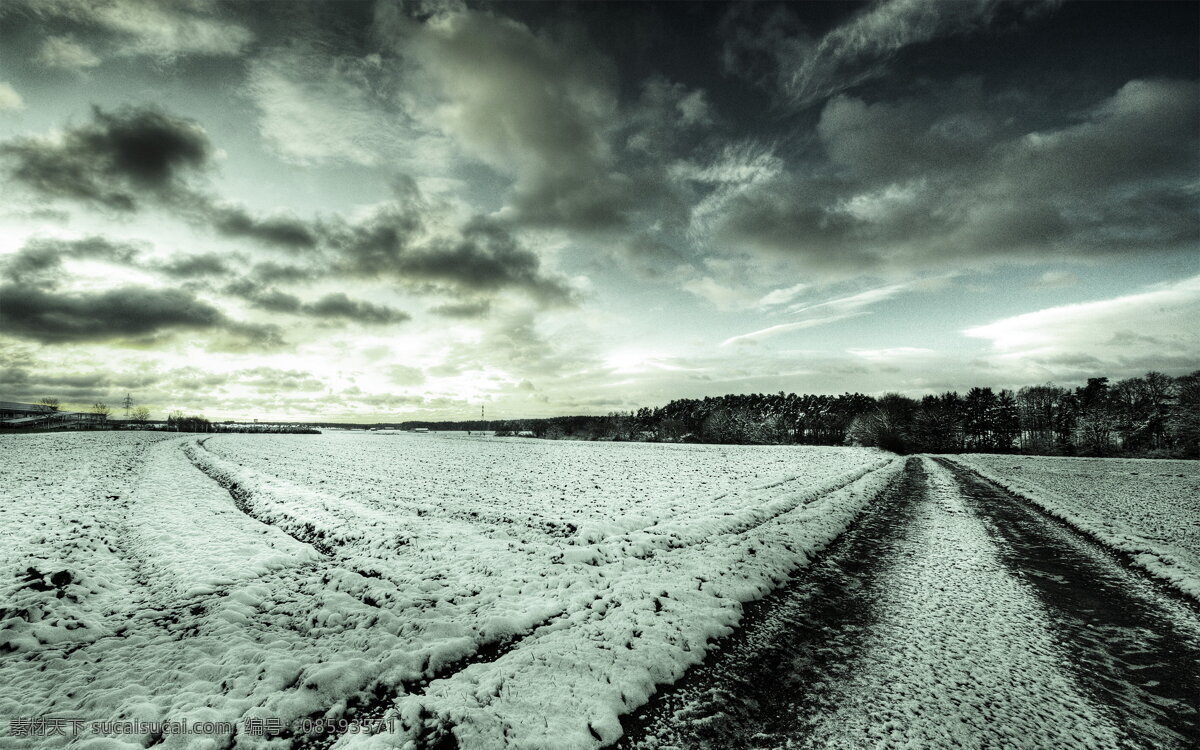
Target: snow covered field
[
  {"x": 515, "y": 593},
  {"x": 1148, "y": 509}
]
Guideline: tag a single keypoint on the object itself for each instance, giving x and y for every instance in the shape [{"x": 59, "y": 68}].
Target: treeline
[
  {"x": 1155, "y": 415},
  {"x": 177, "y": 421}
]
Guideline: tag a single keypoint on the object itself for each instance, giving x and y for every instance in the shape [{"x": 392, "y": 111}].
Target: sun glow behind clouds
[
  {"x": 413, "y": 210},
  {"x": 630, "y": 361}
]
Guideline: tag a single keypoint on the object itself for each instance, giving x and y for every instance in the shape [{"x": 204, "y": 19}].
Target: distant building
[
  {"x": 16, "y": 415},
  {"x": 15, "y": 410},
  {"x": 420, "y": 429}
]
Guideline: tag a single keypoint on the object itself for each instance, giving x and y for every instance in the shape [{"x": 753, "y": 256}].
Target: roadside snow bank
[{"x": 1147, "y": 509}]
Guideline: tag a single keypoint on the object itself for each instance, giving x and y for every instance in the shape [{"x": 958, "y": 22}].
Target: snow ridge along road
[
  {"x": 1146, "y": 509},
  {"x": 951, "y": 615}
]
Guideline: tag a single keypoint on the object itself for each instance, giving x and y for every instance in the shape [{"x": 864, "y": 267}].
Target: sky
[{"x": 378, "y": 211}]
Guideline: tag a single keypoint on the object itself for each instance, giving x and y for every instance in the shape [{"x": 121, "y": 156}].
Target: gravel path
[{"x": 951, "y": 616}]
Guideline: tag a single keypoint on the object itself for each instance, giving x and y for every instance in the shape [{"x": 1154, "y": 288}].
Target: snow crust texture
[
  {"x": 959, "y": 637},
  {"x": 1147, "y": 509},
  {"x": 503, "y": 592}
]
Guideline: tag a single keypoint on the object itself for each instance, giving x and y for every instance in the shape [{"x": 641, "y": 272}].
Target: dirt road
[{"x": 952, "y": 615}]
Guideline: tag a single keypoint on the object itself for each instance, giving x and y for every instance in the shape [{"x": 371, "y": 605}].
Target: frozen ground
[
  {"x": 1147, "y": 509},
  {"x": 961, "y": 651},
  {"x": 505, "y": 592},
  {"x": 952, "y": 615}
]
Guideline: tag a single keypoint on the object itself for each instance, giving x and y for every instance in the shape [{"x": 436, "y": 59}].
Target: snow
[
  {"x": 517, "y": 593},
  {"x": 1148, "y": 509},
  {"x": 963, "y": 654}
]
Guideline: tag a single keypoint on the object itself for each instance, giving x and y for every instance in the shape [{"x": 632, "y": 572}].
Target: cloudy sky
[{"x": 388, "y": 210}]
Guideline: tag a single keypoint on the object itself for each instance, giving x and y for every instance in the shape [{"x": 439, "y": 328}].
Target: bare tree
[
  {"x": 101, "y": 409},
  {"x": 50, "y": 402},
  {"x": 140, "y": 415}
]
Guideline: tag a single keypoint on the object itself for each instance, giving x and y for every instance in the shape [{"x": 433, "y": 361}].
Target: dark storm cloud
[
  {"x": 808, "y": 69},
  {"x": 338, "y": 305},
  {"x": 1147, "y": 130},
  {"x": 263, "y": 298},
  {"x": 280, "y": 231},
  {"x": 484, "y": 258},
  {"x": 463, "y": 310},
  {"x": 39, "y": 261},
  {"x": 333, "y": 306},
  {"x": 73, "y": 387},
  {"x": 126, "y": 312},
  {"x": 375, "y": 245},
  {"x": 134, "y": 156},
  {"x": 479, "y": 257},
  {"x": 34, "y": 305},
  {"x": 144, "y": 152},
  {"x": 958, "y": 177},
  {"x": 195, "y": 266},
  {"x": 268, "y": 272},
  {"x": 20, "y": 377},
  {"x": 537, "y": 106},
  {"x": 115, "y": 161},
  {"x": 950, "y": 126}
]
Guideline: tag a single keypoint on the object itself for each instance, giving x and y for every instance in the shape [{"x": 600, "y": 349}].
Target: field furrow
[{"x": 530, "y": 601}]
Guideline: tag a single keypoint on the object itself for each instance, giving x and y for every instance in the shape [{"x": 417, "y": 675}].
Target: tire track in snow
[
  {"x": 369, "y": 710},
  {"x": 791, "y": 647},
  {"x": 916, "y": 630},
  {"x": 661, "y": 537},
  {"x": 374, "y": 711},
  {"x": 1134, "y": 642},
  {"x": 241, "y": 497},
  {"x": 766, "y": 504},
  {"x": 963, "y": 653}
]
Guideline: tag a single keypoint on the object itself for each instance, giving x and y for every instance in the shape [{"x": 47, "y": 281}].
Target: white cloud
[
  {"x": 151, "y": 28},
  {"x": 737, "y": 171},
  {"x": 314, "y": 109},
  {"x": 823, "y": 313},
  {"x": 885, "y": 204},
  {"x": 64, "y": 53},
  {"x": 723, "y": 296},
  {"x": 1056, "y": 279},
  {"x": 854, "y": 302},
  {"x": 892, "y": 353},
  {"x": 859, "y": 49},
  {"x": 775, "y": 330},
  {"x": 782, "y": 296},
  {"x": 1155, "y": 328},
  {"x": 534, "y": 107},
  {"x": 10, "y": 100}
]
